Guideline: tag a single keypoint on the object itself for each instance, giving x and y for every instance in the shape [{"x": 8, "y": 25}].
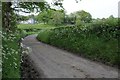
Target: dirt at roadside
[{"x": 28, "y": 71}]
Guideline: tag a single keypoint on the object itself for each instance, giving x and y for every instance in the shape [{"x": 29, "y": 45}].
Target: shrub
[
  {"x": 97, "y": 41},
  {"x": 44, "y": 36}
]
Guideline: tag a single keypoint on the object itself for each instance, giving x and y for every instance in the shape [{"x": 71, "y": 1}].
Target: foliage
[
  {"x": 28, "y": 7},
  {"x": 34, "y": 28},
  {"x": 54, "y": 17},
  {"x": 43, "y": 17},
  {"x": 44, "y": 35},
  {"x": 82, "y": 17},
  {"x": 77, "y": 39},
  {"x": 21, "y": 18},
  {"x": 94, "y": 41},
  {"x": 10, "y": 41},
  {"x": 11, "y": 54},
  {"x": 70, "y": 19},
  {"x": 29, "y": 29},
  {"x": 78, "y": 18}
]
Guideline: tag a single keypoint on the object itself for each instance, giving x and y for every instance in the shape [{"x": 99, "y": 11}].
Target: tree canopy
[
  {"x": 51, "y": 16},
  {"x": 9, "y": 10},
  {"x": 83, "y": 16}
]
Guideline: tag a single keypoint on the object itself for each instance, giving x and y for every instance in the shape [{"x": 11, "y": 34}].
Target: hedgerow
[{"x": 96, "y": 41}]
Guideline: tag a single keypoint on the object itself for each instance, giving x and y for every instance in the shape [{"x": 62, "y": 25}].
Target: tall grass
[{"x": 11, "y": 55}]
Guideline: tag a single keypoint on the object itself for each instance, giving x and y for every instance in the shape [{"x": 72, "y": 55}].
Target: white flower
[
  {"x": 15, "y": 58},
  {"x": 28, "y": 48},
  {"x": 22, "y": 39},
  {"x": 8, "y": 53},
  {"x": 15, "y": 67},
  {"x": 16, "y": 52},
  {"x": 6, "y": 58},
  {"x": 21, "y": 44},
  {"x": 15, "y": 63}
]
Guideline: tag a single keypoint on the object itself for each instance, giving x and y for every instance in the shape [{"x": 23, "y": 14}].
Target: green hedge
[
  {"x": 95, "y": 41},
  {"x": 44, "y": 35}
]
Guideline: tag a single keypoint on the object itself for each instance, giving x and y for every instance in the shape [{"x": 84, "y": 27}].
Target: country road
[{"x": 52, "y": 62}]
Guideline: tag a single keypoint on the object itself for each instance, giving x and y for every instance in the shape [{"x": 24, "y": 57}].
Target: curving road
[{"x": 52, "y": 62}]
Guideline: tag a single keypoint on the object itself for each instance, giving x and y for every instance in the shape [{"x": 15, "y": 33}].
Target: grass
[
  {"x": 29, "y": 29},
  {"x": 35, "y": 26},
  {"x": 11, "y": 55},
  {"x": 10, "y": 70}
]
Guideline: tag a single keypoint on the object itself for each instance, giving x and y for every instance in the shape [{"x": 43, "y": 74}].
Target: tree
[
  {"x": 9, "y": 11},
  {"x": 27, "y": 7},
  {"x": 6, "y": 16},
  {"x": 21, "y": 18},
  {"x": 11, "y": 37},
  {"x": 56, "y": 17},
  {"x": 72, "y": 18},
  {"x": 111, "y": 21},
  {"x": 43, "y": 17},
  {"x": 82, "y": 17}
]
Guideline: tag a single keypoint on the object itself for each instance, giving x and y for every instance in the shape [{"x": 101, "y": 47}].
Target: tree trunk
[{"x": 6, "y": 15}]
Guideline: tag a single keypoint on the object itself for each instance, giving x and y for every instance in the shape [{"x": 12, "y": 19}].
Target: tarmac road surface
[{"x": 52, "y": 62}]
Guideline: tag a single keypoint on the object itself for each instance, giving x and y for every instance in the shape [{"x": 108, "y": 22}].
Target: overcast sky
[{"x": 97, "y": 8}]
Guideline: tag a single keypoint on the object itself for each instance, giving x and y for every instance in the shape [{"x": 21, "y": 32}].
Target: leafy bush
[
  {"x": 97, "y": 41},
  {"x": 44, "y": 36}
]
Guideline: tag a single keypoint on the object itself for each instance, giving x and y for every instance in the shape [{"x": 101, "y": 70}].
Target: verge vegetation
[{"x": 97, "y": 40}]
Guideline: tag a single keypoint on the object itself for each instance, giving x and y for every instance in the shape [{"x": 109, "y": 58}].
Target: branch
[{"x": 21, "y": 10}]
